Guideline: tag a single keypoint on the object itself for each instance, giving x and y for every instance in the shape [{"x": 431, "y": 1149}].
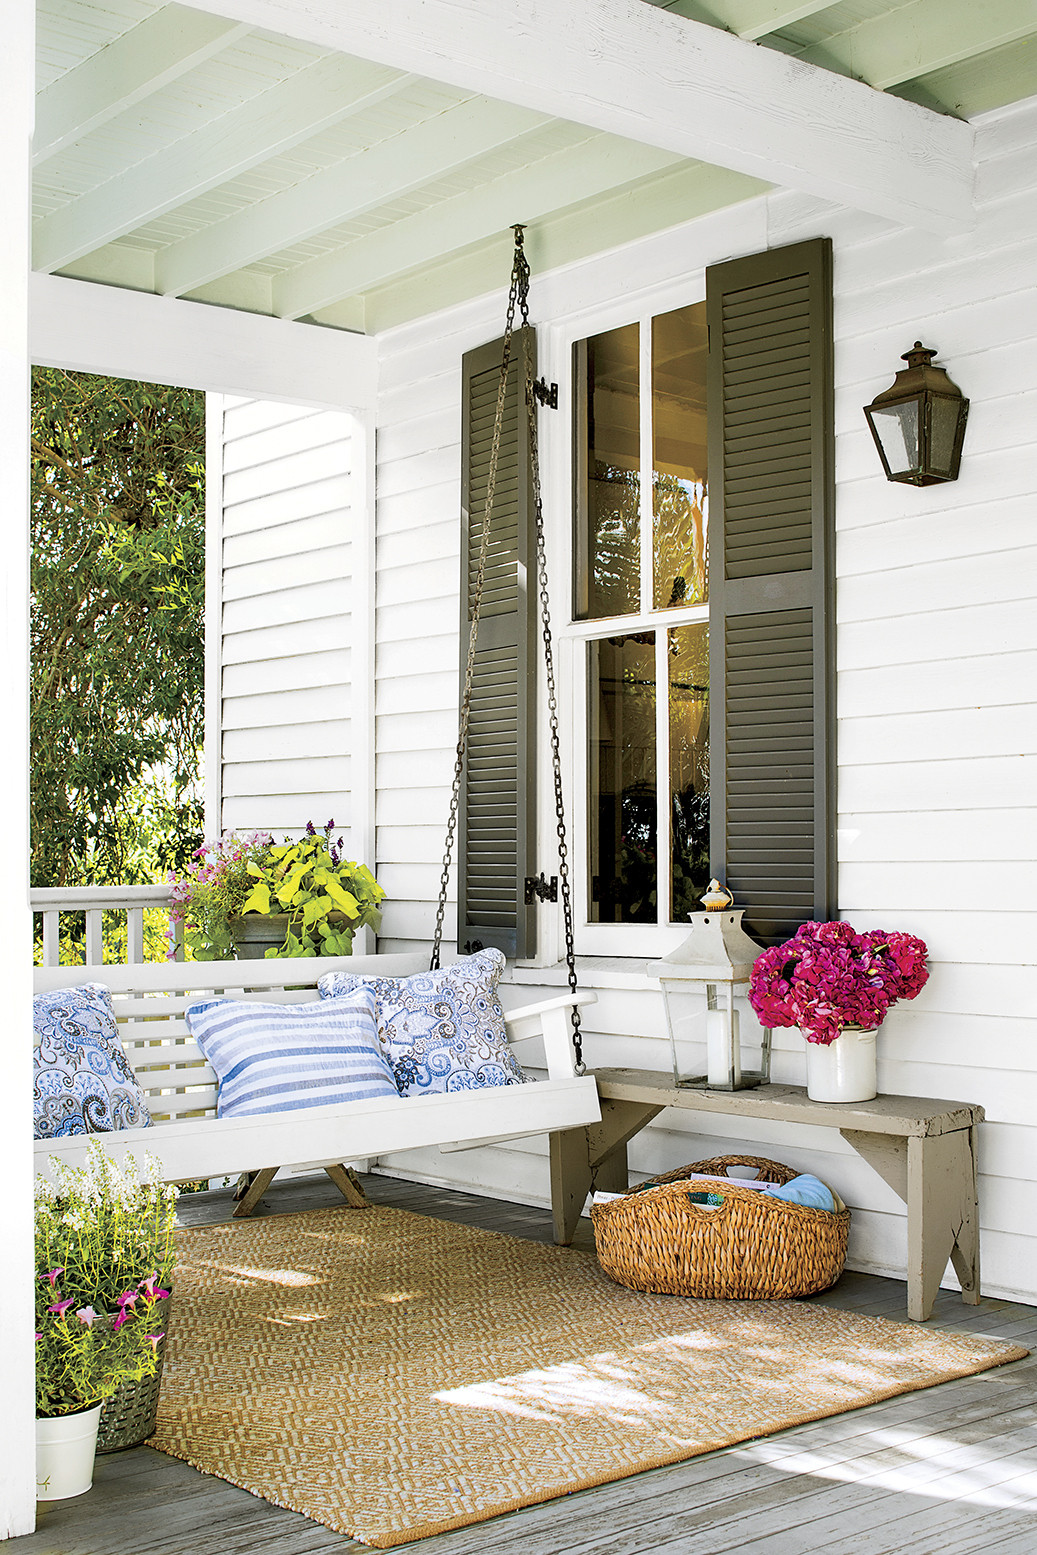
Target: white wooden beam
[
  {"x": 925, "y": 36},
  {"x": 749, "y": 18},
  {"x": 565, "y": 178},
  {"x": 17, "y": 1440},
  {"x": 103, "y": 329},
  {"x": 394, "y": 167},
  {"x": 279, "y": 118},
  {"x": 634, "y": 70},
  {"x": 158, "y": 50}
]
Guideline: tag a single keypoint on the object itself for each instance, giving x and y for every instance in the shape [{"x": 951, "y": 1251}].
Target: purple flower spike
[
  {"x": 311, "y": 830},
  {"x": 61, "y": 1307}
]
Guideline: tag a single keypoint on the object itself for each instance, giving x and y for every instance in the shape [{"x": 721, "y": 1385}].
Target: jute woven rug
[{"x": 393, "y": 1376}]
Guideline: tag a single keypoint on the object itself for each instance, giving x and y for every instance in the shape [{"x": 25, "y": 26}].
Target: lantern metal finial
[
  {"x": 716, "y": 954},
  {"x": 918, "y": 423}
]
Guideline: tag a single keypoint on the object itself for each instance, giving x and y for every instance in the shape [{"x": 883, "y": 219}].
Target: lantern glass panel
[
  {"x": 942, "y": 435},
  {"x": 897, "y": 429}
]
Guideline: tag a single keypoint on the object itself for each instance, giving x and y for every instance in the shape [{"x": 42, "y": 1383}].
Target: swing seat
[{"x": 191, "y": 1143}]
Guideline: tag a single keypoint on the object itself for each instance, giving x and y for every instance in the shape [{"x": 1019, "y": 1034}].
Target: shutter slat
[{"x": 771, "y": 504}]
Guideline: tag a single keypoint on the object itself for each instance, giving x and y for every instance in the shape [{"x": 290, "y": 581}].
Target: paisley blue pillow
[
  {"x": 443, "y": 1030},
  {"x": 82, "y": 1081}
]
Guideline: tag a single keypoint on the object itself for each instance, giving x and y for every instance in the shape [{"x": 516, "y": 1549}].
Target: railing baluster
[
  {"x": 134, "y": 935},
  {"x": 52, "y": 939},
  {"x": 94, "y": 936}
]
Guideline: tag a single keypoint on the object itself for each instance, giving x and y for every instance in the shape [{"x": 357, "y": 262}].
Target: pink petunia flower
[
  {"x": 52, "y": 1274},
  {"x": 61, "y": 1307},
  {"x": 87, "y": 1315}
]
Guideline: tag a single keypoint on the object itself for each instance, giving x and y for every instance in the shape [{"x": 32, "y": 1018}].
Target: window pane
[
  {"x": 679, "y": 456},
  {"x": 608, "y": 544},
  {"x": 623, "y": 780},
  {"x": 688, "y": 660}
]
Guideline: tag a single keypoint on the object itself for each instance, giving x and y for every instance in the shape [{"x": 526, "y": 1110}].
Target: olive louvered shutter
[
  {"x": 771, "y": 502},
  {"x": 497, "y": 835}
]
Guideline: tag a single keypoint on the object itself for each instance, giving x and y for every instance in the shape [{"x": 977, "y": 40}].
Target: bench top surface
[{"x": 901, "y": 1115}]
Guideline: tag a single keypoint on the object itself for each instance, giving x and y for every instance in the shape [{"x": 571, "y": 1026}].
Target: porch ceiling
[{"x": 182, "y": 153}]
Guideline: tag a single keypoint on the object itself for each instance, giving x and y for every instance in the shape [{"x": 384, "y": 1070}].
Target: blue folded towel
[{"x": 807, "y": 1190}]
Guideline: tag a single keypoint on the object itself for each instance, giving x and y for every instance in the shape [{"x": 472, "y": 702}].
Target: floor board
[{"x": 950, "y": 1471}]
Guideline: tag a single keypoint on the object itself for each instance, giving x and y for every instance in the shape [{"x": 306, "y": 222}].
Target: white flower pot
[
  {"x": 843, "y": 1070},
  {"x": 65, "y": 1446}
]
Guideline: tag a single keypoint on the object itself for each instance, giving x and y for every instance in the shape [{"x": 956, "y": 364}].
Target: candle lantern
[{"x": 717, "y": 957}]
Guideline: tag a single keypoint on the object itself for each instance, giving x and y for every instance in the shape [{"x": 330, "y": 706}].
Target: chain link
[{"x": 518, "y": 296}]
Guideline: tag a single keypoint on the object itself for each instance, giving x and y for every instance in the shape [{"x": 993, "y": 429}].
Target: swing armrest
[{"x": 549, "y": 1019}]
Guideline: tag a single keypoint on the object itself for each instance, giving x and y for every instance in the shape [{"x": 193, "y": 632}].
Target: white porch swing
[{"x": 181, "y": 1088}]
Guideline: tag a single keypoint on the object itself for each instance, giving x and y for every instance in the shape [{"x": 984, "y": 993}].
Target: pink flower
[
  {"x": 87, "y": 1315},
  {"x": 52, "y": 1274},
  {"x": 828, "y": 976},
  {"x": 153, "y": 1340},
  {"x": 127, "y": 1299},
  {"x": 147, "y": 1285},
  {"x": 61, "y": 1307}
]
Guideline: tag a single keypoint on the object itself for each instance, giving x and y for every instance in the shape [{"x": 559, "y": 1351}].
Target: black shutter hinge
[
  {"x": 472, "y": 946},
  {"x": 539, "y": 886},
  {"x": 546, "y": 395}
]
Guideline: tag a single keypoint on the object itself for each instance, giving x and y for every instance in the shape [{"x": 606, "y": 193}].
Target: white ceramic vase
[
  {"x": 65, "y": 1447},
  {"x": 843, "y": 1070}
]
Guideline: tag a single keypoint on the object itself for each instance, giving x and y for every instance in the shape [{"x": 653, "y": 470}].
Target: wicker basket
[
  {"x": 129, "y": 1415},
  {"x": 749, "y": 1247}
]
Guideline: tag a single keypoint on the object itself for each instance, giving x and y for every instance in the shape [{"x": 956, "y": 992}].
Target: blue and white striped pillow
[{"x": 282, "y": 1057}]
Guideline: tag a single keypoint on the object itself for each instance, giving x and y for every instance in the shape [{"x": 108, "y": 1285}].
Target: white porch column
[{"x": 17, "y": 1437}]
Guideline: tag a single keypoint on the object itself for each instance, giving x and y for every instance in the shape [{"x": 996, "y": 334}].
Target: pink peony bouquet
[{"x": 828, "y": 976}]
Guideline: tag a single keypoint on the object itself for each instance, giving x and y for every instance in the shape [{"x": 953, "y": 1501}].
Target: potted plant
[
  {"x": 253, "y": 897},
  {"x": 104, "y": 1260},
  {"x": 836, "y": 986}
]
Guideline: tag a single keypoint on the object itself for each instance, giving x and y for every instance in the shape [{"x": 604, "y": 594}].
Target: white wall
[
  {"x": 282, "y": 513},
  {"x": 937, "y": 652}
]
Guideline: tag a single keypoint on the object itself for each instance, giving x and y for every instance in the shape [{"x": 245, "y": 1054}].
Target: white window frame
[{"x": 555, "y": 355}]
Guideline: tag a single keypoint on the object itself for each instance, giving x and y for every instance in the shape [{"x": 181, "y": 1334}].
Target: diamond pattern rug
[{"x": 393, "y": 1376}]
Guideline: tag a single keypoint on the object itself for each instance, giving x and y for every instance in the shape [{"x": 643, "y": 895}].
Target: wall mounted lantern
[
  {"x": 716, "y": 957},
  {"x": 918, "y": 423}
]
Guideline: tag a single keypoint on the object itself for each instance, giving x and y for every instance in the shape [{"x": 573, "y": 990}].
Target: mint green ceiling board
[
  {"x": 748, "y": 18},
  {"x": 921, "y": 38},
  {"x": 1005, "y": 75}
]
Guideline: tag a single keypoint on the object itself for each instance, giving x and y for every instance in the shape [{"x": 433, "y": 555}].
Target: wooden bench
[
  {"x": 924, "y": 1149},
  {"x": 191, "y": 1143}
]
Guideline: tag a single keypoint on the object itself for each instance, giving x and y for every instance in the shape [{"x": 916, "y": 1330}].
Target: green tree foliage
[{"x": 118, "y": 546}]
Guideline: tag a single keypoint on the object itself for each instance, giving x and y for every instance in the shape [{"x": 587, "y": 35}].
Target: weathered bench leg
[
  {"x": 593, "y": 1156},
  {"x": 258, "y": 1183},
  {"x": 348, "y": 1184},
  {"x": 935, "y": 1175},
  {"x": 941, "y": 1218}
]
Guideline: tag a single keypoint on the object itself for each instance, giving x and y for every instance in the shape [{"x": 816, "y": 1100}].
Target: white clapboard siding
[
  {"x": 289, "y": 506},
  {"x": 936, "y": 657}
]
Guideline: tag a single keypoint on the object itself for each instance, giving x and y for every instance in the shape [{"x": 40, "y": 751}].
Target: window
[
  {"x": 641, "y": 585},
  {"x": 701, "y": 711}
]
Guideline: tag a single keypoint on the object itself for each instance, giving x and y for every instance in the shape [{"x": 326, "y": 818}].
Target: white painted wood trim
[
  {"x": 213, "y": 774},
  {"x": 362, "y": 654},
  {"x": 639, "y": 72},
  {"x": 103, "y": 329},
  {"x": 17, "y": 1439}
]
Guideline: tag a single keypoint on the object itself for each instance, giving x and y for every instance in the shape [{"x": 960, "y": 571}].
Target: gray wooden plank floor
[{"x": 951, "y": 1470}]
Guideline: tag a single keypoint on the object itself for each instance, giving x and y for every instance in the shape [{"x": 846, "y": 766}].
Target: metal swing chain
[{"x": 518, "y": 295}]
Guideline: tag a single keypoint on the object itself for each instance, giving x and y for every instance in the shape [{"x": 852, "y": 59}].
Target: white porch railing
[{"x": 93, "y": 902}]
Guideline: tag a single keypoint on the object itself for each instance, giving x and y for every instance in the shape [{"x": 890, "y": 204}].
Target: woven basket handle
[{"x": 767, "y": 1171}]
